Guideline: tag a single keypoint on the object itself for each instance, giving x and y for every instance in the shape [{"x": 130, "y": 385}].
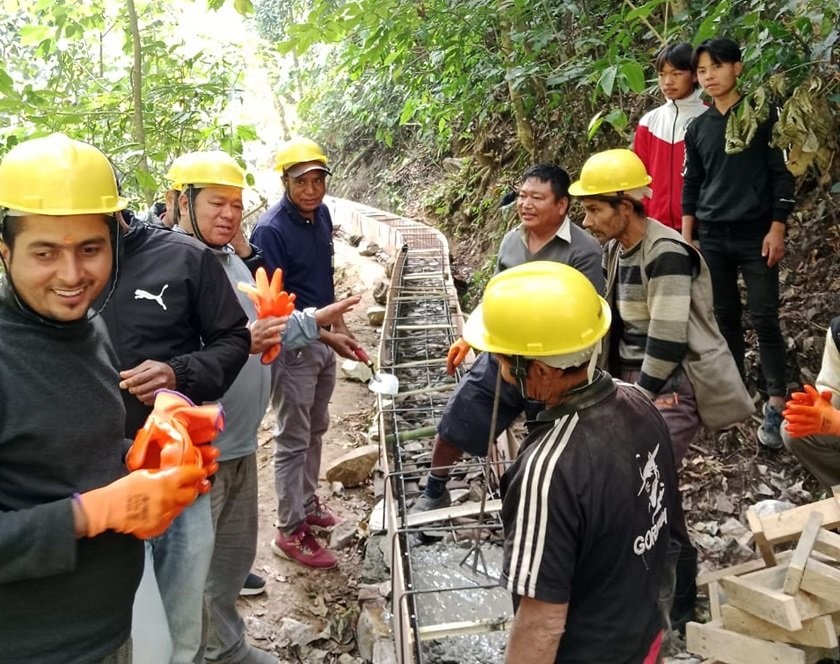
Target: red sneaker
[
  {"x": 321, "y": 519},
  {"x": 302, "y": 547}
]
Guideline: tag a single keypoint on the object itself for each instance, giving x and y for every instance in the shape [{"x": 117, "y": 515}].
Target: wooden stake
[
  {"x": 818, "y": 632},
  {"x": 796, "y": 568},
  {"x": 821, "y": 580},
  {"x": 757, "y": 528},
  {"x": 464, "y": 628},
  {"x": 770, "y": 605},
  {"x": 453, "y": 512},
  {"x": 712, "y": 640}
]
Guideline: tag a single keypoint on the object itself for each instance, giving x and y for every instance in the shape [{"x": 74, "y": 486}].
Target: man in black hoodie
[
  {"x": 739, "y": 200},
  {"x": 176, "y": 323}
]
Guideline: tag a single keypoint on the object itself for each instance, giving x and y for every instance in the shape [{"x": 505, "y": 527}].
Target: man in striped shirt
[
  {"x": 652, "y": 275},
  {"x": 589, "y": 502},
  {"x": 649, "y": 278}
]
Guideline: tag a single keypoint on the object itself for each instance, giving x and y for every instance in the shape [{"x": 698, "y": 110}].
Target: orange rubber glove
[
  {"x": 177, "y": 433},
  {"x": 810, "y": 413},
  {"x": 269, "y": 300},
  {"x": 457, "y": 352},
  {"x": 142, "y": 503}
]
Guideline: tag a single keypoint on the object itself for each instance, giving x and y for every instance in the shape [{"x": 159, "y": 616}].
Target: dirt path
[{"x": 321, "y": 599}]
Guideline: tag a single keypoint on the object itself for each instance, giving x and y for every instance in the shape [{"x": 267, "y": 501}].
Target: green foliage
[
  {"x": 571, "y": 75},
  {"x": 67, "y": 67}
]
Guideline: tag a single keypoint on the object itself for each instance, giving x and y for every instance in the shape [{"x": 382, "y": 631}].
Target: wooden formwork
[
  {"x": 785, "y": 607},
  {"x": 393, "y": 234}
]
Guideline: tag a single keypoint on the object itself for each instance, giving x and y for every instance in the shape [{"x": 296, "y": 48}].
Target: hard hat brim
[{"x": 300, "y": 169}]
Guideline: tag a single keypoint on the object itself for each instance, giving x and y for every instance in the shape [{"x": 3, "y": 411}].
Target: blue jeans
[
  {"x": 182, "y": 560},
  {"x": 729, "y": 248},
  {"x": 236, "y": 518}
]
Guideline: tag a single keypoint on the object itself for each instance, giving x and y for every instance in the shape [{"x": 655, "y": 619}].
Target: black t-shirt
[{"x": 586, "y": 511}]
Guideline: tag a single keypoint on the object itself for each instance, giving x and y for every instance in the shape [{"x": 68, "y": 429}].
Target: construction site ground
[
  {"x": 725, "y": 473},
  {"x": 325, "y": 600}
]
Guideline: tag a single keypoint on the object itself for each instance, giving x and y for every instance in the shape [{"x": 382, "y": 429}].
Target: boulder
[
  {"x": 353, "y": 468},
  {"x": 353, "y": 370},
  {"x": 372, "y": 626},
  {"x": 384, "y": 652},
  {"x": 380, "y": 292},
  {"x": 371, "y": 250},
  {"x": 343, "y": 534},
  {"x": 375, "y": 315}
]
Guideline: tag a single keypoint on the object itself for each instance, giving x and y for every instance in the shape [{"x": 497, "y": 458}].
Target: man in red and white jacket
[{"x": 660, "y": 136}]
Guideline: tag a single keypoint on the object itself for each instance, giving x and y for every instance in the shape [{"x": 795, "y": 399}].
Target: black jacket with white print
[{"x": 174, "y": 303}]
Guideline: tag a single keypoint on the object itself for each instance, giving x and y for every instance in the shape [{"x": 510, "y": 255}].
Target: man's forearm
[{"x": 536, "y": 632}]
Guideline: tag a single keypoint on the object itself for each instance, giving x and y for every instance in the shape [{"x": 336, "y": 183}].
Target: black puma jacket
[{"x": 174, "y": 303}]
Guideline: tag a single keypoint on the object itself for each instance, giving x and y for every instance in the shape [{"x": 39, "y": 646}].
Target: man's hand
[
  {"x": 147, "y": 378},
  {"x": 266, "y": 332},
  {"x": 240, "y": 245},
  {"x": 342, "y": 344},
  {"x": 810, "y": 413},
  {"x": 773, "y": 245},
  {"x": 456, "y": 355},
  {"x": 333, "y": 314},
  {"x": 142, "y": 503},
  {"x": 688, "y": 223},
  {"x": 178, "y": 433},
  {"x": 269, "y": 300}
]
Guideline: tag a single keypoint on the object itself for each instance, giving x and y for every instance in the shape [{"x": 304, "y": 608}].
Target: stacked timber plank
[{"x": 784, "y": 608}]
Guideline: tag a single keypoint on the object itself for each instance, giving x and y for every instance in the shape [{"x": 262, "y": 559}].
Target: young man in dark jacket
[{"x": 739, "y": 203}]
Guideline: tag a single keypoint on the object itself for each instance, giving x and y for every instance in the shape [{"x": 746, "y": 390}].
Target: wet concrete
[{"x": 438, "y": 567}]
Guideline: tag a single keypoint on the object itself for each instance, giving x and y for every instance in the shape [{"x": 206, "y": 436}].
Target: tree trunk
[
  {"x": 138, "y": 129},
  {"x": 524, "y": 131}
]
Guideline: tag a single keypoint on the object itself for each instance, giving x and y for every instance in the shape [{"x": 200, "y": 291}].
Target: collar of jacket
[
  {"x": 581, "y": 398},
  {"x": 692, "y": 100}
]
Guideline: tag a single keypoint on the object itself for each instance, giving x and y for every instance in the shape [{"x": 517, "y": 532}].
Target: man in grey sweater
[
  {"x": 545, "y": 233},
  {"x": 70, "y": 560}
]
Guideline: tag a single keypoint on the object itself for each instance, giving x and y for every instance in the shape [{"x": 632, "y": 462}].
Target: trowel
[{"x": 382, "y": 383}]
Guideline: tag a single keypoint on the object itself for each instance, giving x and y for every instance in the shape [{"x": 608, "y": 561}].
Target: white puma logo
[{"x": 140, "y": 294}]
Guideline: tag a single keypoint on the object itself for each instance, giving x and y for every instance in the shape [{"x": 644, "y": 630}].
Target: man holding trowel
[
  {"x": 545, "y": 233},
  {"x": 296, "y": 235}
]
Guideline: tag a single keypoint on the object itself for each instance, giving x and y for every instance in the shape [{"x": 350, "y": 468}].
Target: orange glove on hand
[
  {"x": 457, "y": 352},
  {"x": 142, "y": 503},
  {"x": 809, "y": 413},
  {"x": 269, "y": 300},
  {"x": 177, "y": 433}
]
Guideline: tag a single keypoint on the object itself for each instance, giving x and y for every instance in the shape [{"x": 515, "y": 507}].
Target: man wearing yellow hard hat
[
  {"x": 210, "y": 187},
  {"x": 588, "y": 503},
  {"x": 666, "y": 341},
  {"x": 176, "y": 323},
  {"x": 70, "y": 557},
  {"x": 296, "y": 235}
]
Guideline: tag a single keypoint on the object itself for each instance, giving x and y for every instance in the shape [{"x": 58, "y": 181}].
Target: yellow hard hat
[
  {"x": 212, "y": 167},
  {"x": 539, "y": 309},
  {"x": 56, "y": 175},
  {"x": 298, "y": 151},
  {"x": 610, "y": 172}
]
